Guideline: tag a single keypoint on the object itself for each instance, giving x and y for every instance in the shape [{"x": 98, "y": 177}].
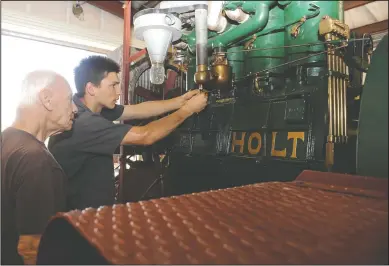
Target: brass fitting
[
  {"x": 221, "y": 72},
  {"x": 202, "y": 75},
  {"x": 334, "y": 27}
]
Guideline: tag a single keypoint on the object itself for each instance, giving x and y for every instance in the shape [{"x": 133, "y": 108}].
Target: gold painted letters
[
  {"x": 274, "y": 152},
  {"x": 239, "y": 142},
  {"x": 253, "y": 148},
  {"x": 254, "y": 151},
  {"x": 295, "y": 136}
]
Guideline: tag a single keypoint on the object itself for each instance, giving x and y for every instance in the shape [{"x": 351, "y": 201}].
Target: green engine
[{"x": 284, "y": 80}]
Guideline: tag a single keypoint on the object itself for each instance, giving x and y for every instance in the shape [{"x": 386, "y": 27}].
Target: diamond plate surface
[{"x": 268, "y": 223}]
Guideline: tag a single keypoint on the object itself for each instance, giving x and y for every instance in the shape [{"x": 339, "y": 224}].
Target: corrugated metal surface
[{"x": 318, "y": 219}]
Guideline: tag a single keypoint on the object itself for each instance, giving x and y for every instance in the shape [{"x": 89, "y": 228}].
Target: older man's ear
[{"x": 45, "y": 98}]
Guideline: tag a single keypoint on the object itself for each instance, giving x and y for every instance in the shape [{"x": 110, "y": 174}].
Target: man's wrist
[
  {"x": 180, "y": 101},
  {"x": 185, "y": 112}
]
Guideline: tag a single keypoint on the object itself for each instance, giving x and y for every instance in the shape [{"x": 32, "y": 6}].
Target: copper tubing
[
  {"x": 345, "y": 69},
  {"x": 342, "y": 107},
  {"x": 342, "y": 129},
  {"x": 124, "y": 99},
  {"x": 336, "y": 106},
  {"x": 330, "y": 129},
  {"x": 333, "y": 88},
  {"x": 334, "y": 95},
  {"x": 337, "y": 95},
  {"x": 339, "y": 99}
]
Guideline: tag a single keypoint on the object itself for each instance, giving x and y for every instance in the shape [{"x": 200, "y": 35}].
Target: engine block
[{"x": 281, "y": 91}]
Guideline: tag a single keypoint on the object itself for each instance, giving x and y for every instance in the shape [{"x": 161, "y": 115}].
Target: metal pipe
[
  {"x": 256, "y": 23},
  {"x": 345, "y": 101},
  {"x": 342, "y": 128},
  {"x": 338, "y": 98},
  {"x": 201, "y": 29},
  {"x": 333, "y": 98},
  {"x": 137, "y": 56},
  {"x": 124, "y": 88},
  {"x": 344, "y": 109},
  {"x": 216, "y": 21},
  {"x": 202, "y": 74},
  {"x": 237, "y": 15},
  {"x": 329, "y": 159},
  {"x": 329, "y": 99},
  {"x": 341, "y": 11},
  {"x": 329, "y": 59},
  {"x": 337, "y": 105}
]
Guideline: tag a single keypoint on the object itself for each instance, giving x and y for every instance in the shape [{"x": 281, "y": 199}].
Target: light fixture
[{"x": 158, "y": 30}]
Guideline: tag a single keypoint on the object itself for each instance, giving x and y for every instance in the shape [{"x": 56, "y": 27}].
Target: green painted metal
[
  {"x": 372, "y": 146},
  {"x": 258, "y": 60},
  {"x": 236, "y": 61},
  {"x": 308, "y": 32},
  {"x": 284, "y": 3},
  {"x": 190, "y": 73},
  {"x": 254, "y": 24},
  {"x": 341, "y": 11},
  {"x": 236, "y": 33},
  {"x": 190, "y": 38}
]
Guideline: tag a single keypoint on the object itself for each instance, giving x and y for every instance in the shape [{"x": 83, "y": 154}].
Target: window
[{"x": 20, "y": 56}]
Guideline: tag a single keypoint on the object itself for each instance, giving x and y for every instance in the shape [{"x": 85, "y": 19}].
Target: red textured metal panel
[
  {"x": 360, "y": 185},
  {"x": 268, "y": 223},
  {"x": 171, "y": 79}
]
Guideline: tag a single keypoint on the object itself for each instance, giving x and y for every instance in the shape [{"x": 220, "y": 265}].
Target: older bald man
[{"x": 32, "y": 182}]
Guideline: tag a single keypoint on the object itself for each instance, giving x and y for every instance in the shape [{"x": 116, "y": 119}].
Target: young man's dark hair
[{"x": 93, "y": 69}]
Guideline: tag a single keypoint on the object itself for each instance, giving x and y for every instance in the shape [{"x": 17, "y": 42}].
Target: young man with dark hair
[{"x": 85, "y": 153}]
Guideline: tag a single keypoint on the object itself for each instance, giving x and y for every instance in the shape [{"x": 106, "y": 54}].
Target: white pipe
[
  {"x": 181, "y": 45},
  {"x": 201, "y": 36},
  {"x": 238, "y": 15},
  {"x": 216, "y": 22}
]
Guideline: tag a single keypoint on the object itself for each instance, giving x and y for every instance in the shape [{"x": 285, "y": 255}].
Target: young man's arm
[
  {"x": 155, "y": 108},
  {"x": 100, "y": 136},
  {"x": 156, "y": 130}
]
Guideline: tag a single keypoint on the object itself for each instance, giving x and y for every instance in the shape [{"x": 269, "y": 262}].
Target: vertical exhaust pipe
[{"x": 202, "y": 74}]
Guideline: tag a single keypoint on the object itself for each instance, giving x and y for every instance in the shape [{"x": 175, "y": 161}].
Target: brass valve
[{"x": 202, "y": 75}]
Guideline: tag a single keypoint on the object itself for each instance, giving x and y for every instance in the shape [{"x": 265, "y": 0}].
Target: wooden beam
[
  {"x": 372, "y": 28},
  {"x": 353, "y": 4},
  {"x": 113, "y": 7}
]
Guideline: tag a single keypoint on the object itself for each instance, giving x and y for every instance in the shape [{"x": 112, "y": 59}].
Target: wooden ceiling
[{"x": 116, "y": 8}]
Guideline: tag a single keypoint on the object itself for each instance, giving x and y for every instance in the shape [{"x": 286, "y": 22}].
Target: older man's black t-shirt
[
  {"x": 85, "y": 154},
  {"x": 33, "y": 189}
]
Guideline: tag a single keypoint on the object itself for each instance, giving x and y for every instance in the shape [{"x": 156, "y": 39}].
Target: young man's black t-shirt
[
  {"x": 32, "y": 190},
  {"x": 85, "y": 154}
]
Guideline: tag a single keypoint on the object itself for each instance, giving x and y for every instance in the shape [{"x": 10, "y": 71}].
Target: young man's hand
[
  {"x": 187, "y": 96},
  {"x": 196, "y": 103}
]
